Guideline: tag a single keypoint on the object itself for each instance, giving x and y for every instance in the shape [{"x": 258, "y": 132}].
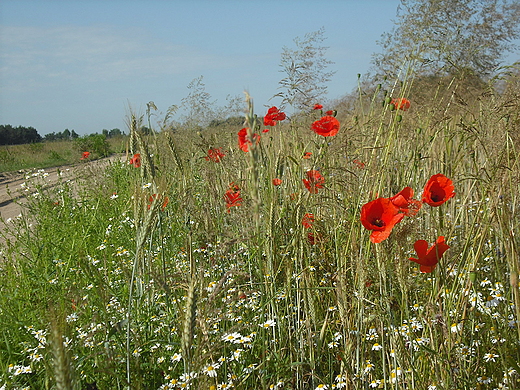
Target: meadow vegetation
[
  {"x": 51, "y": 154},
  {"x": 198, "y": 264},
  {"x": 370, "y": 242}
]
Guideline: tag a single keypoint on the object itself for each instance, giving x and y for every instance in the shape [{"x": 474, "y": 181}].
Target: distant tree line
[
  {"x": 10, "y": 135},
  {"x": 112, "y": 133},
  {"x": 65, "y": 135}
]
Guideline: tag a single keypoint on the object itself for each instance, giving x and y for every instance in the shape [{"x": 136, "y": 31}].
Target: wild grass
[
  {"x": 47, "y": 154},
  {"x": 191, "y": 294}
]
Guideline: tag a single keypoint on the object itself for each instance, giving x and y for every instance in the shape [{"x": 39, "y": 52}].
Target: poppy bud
[
  {"x": 388, "y": 99},
  {"x": 399, "y": 118},
  {"x": 472, "y": 276},
  {"x": 392, "y": 107}
]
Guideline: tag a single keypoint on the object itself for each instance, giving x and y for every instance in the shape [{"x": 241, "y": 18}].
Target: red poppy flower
[
  {"x": 314, "y": 181},
  {"x": 438, "y": 190},
  {"x": 429, "y": 257},
  {"x": 318, "y": 107},
  {"x": 243, "y": 140},
  {"x": 327, "y": 126},
  {"x": 308, "y": 220},
  {"x": 403, "y": 200},
  {"x": 380, "y": 216},
  {"x": 273, "y": 115},
  {"x": 153, "y": 197},
  {"x": 402, "y": 104},
  {"x": 330, "y": 112},
  {"x": 136, "y": 160},
  {"x": 232, "y": 196},
  {"x": 265, "y": 131},
  {"x": 215, "y": 154},
  {"x": 307, "y": 155},
  {"x": 85, "y": 155},
  {"x": 165, "y": 203},
  {"x": 277, "y": 182}
]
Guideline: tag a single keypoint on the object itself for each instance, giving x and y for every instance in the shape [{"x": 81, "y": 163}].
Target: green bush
[{"x": 93, "y": 143}]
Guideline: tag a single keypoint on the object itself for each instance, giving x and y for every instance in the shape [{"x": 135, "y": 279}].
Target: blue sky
[{"x": 79, "y": 64}]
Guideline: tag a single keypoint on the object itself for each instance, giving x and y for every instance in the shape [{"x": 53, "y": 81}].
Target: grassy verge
[
  {"x": 47, "y": 154},
  {"x": 183, "y": 270}
]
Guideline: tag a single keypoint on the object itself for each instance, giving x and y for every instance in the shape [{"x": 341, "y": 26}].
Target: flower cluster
[
  {"x": 314, "y": 181},
  {"x": 273, "y": 116},
  {"x": 154, "y": 197},
  {"x": 246, "y": 138},
  {"x": 402, "y": 104},
  {"x": 215, "y": 155},
  {"x": 318, "y": 106},
  {"x": 244, "y": 141},
  {"x": 382, "y": 214},
  {"x": 135, "y": 160},
  {"x": 232, "y": 196},
  {"x": 327, "y": 126}
]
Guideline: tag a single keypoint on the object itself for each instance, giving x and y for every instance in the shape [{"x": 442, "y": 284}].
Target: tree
[
  {"x": 305, "y": 70},
  {"x": 115, "y": 133},
  {"x": 10, "y": 135},
  {"x": 450, "y": 36}
]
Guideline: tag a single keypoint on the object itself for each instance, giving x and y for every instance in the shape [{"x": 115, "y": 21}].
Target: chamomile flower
[
  {"x": 232, "y": 337},
  {"x": 210, "y": 370},
  {"x": 395, "y": 374},
  {"x": 368, "y": 367},
  {"x": 35, "y": 357},
  {"x": 484, "y": 380},
  {"x": 377, "y": 347},
  {"x": 268, "y": 324},
  {"x": 455, "y": 328},
  {"x": 490, "y": 357}
]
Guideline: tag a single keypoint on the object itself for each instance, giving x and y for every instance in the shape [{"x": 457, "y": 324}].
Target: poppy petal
[{"x": 421, "y": 248}]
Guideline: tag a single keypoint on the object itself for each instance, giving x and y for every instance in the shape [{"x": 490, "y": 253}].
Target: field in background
[
  {"x": 47, "y": 154},
  {"x": 200, "y": 265}
]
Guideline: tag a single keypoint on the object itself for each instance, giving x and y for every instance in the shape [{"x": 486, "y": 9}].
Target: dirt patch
[{"x": 13, "y": 195}]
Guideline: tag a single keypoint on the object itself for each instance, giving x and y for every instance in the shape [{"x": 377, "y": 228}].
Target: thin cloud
[{"x": 34, "y": 57}]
